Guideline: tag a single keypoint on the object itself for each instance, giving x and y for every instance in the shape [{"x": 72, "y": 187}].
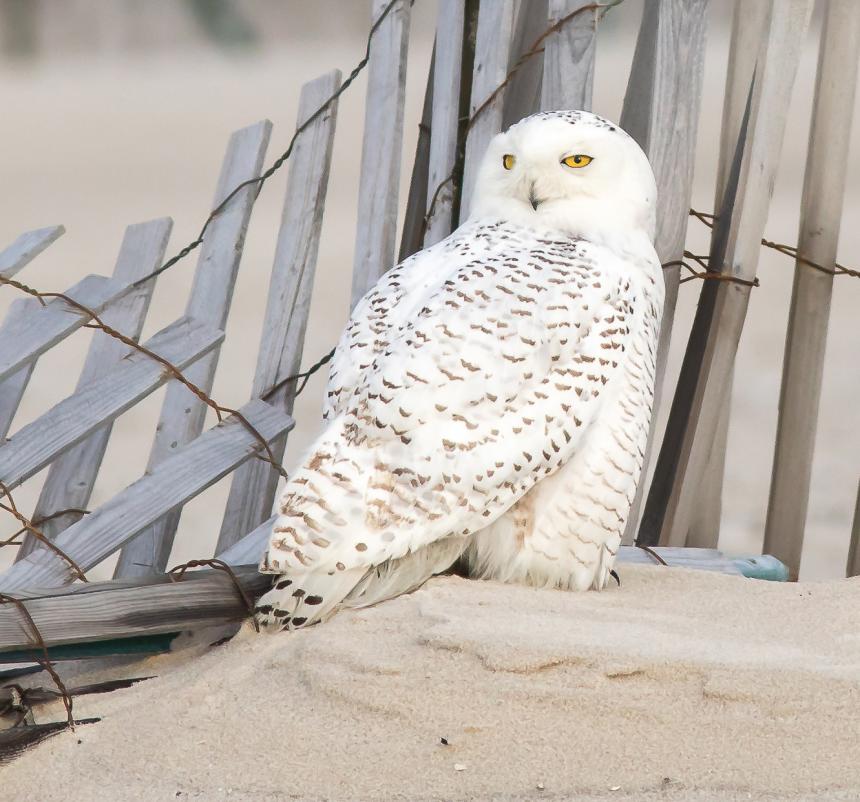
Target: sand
[{"x": 680, "y": 685}]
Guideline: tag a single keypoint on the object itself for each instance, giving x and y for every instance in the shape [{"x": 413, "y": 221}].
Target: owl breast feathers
[{"x": 489, "y": 399}]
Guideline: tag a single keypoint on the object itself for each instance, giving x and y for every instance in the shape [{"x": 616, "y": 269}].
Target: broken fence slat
[
  {"x": 13, "y": 386},
  {"x": 253, "y": 486},
  {"x": 101, "y": 400},
  {"x": 72, "y": 475},
  {"x": 183, "y": 414},
  {"x": 27, "y": 247},
  {"x": 35, "y": 333},
  {"x": 169, "y": 485}
]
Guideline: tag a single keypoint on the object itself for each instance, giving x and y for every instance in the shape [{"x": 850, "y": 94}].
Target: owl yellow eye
[
  {"x": 508, "y": 161},
  {"x": 577, "y": 160}
]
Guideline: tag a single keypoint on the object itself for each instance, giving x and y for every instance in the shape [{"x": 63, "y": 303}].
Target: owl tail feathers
[
  {"x": 404, "y": 574},
  {"x": 299, "y": 600}
]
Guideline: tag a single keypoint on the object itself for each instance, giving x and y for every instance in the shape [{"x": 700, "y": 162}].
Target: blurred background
[{"x": 118, "y": 111}]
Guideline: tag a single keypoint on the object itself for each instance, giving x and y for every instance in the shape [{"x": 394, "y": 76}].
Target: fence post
[
  {"x": 666, "y": 82},
  {"x": 183, "y": 414},
  {"x": 383, "y": 144},
  {"x": 806, "y": 339},
  {"x": 568, "y": 58},
  {"x": 748, "y": 25},
  {"x": 492, "y": 47},
  {"x": 254, "y": 484},
  {"x": 852, "y": 567},
  {"x": 444, "y": 125},
  {"x": 722, "y": 307}
]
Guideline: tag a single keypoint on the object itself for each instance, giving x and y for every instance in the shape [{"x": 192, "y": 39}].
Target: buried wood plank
[
  {"x": 806, "y": 339},
  {"x": 147, "y": 606},
  {"x": 167, "y": 486},
  {"x": 27, "y": 247},
  {"x": 183, "y": 413},
  {"x": 72, "y": 475},
  {"x": 445, "y": 122},
  {"x": 666, "y": 82},
  {"x": 722, "y": 307},
  {"x": 102, "y": 400},
  {"x": 568, "y": 59},
  {"x": 35, "y": 333},
  {"x": 492, "y": 48},
  {"x": 376, "y": 232},
  {"x": 252, "y": 491}
]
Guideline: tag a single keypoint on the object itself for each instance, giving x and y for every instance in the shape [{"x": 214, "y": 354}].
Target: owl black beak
[{"x": 533, "y": 199}]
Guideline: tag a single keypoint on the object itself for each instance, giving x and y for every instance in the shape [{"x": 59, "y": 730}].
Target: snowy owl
[{"x": 490, "y": 397}]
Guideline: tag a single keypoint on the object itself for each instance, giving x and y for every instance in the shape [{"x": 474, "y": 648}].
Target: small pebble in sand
[
  {"x": 614, "y": 787},
  {"x": 459, "y": 767},
  {"x": 540, "y": 786}
]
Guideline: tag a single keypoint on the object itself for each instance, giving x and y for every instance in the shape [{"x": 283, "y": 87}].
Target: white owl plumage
[{"x": 490, "y": 397}]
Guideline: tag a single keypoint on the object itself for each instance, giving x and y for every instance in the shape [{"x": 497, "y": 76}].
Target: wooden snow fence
[{"x": 493, "y": 63}]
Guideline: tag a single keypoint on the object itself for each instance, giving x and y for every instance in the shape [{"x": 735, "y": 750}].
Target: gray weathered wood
[
  {"x": 568, "y": 59},
  {"x": 445, "y": 121},
  {"x": 492, "y": 46},
  {"x": 412, "y": 235},
  {"x": 748, "y": 25},
  {"x": 28, "y": 337},
  {"x": 167, "y": 486},
  {"x": 13, "y": 386},
  {"x": 376, "y": 233},
  {"x": 252, "y": 491},
  {"x": 183, "y": 414},
  {"x": 820, "y": 216},
  {"x": 101, "y": 400},
  {"x": 852, "y": 565},
  {"x": 250, "y": 548},
  {"x": 97, "y": 611},
  {"x": 722, "y": 308},
  {"x": 72, "y": 475},
  {"x": 523, "y": 91},
  {"x": 26, "y": 248},
  {"x": 666, "y": 83}
]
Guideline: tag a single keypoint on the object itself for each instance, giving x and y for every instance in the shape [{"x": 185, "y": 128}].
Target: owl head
[{"x": 570, "y": 171}]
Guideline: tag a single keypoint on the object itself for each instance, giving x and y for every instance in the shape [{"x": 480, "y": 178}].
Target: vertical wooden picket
[
  {"x": 492, "y": 46},
  {"x": 252, "y": 491},
  {"x": 183, "y": 414},
  {"x": 666, "y": 81},
  {"x": 525, "y": 62},
  {"x": 568, "y": 59},
  {"x": 852, "y": 567},
  {"x": 820, "y": 217},
  {"x": 722, "y": 309},
  {"x": 375, "y": 238},
  {"x": 72, "y": 475},
  {"x": 444, "y": 121},
  {"x": 748, "y": 25}
]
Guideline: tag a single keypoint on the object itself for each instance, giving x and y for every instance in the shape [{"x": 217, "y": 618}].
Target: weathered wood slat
[
  {"x": 147, "y": 606},
  {"x": 34, "y": 334},
  {"x": 250, "y": 548},
  {"x": 169, "y": 485},
  {"x": 666, "y": 83},
  {"x": 183, "y": 414},
  {"x": 13, "y": 386},
  {"x": 102, "y": 400},
  {"x": 445, "y": 121},
  {"x": 375, "y": 239},
  {"x": 252, "y": 491},
  {"x": 748, "y": 26},
  {"x": 523, "y": 91},
  {"x": 72, "y": 475},
  {"x": 568, "y": 59},
  {"x": 27, "y": 247},
  {"x": 121, "y": 609},
  {"x": 492, "y": 46},
  {"x": 820, "y": 217},
  {"x": 722, "y": 308}
]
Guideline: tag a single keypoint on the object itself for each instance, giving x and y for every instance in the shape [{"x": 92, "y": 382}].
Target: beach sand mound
[{"x": 679, "y": 686}]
